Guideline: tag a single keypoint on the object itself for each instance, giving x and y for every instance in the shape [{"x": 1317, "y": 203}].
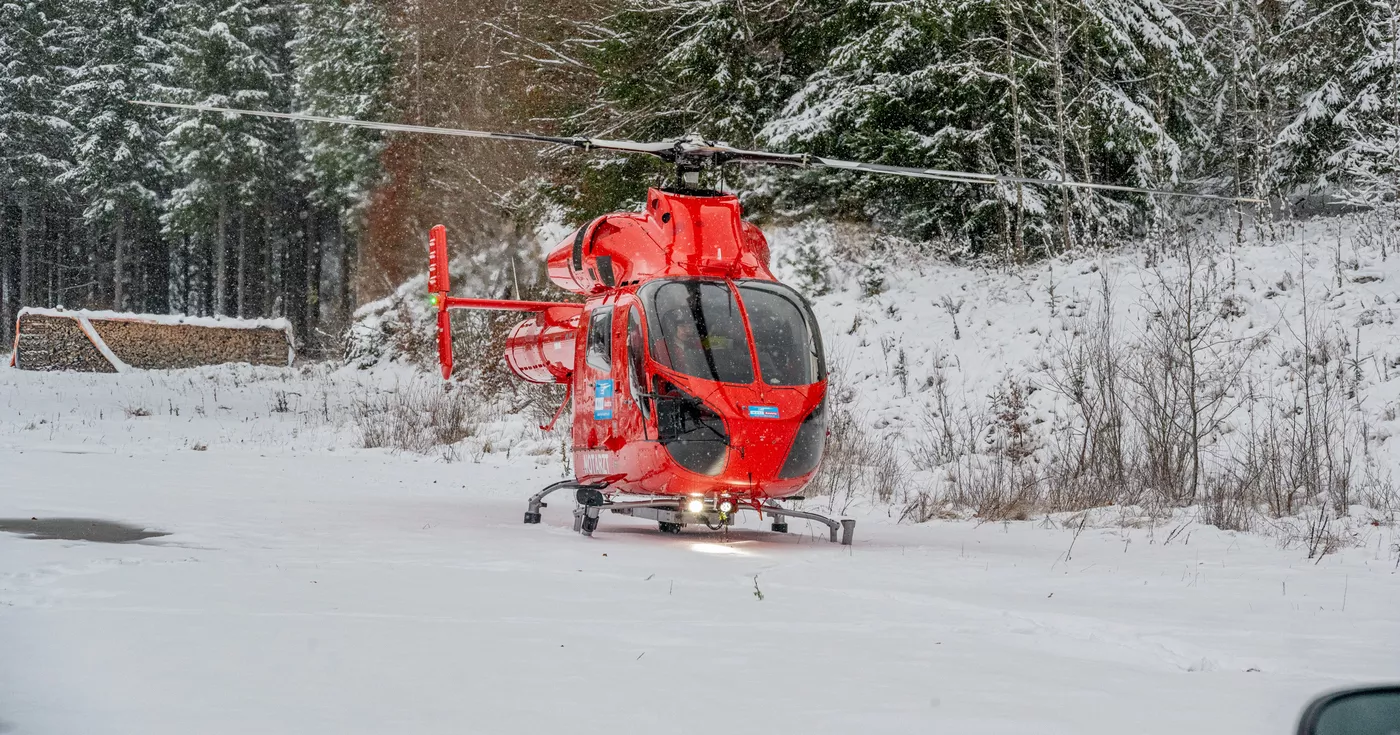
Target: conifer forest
[{"x": 109, "y": 205}]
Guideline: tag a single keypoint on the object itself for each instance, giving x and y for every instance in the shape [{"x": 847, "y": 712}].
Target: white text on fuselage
[{"x": 595, "y": 463}]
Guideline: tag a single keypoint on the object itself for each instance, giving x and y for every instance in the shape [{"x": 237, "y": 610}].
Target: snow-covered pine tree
[
  {"x": 1324, "y": 46},
  {"x": 119, "y": 172},
  {"x": 342, "y": 68},
  {"x": 34, "y": 152},
  {"x": 721, "y": 68},
  {"x": 228, "y": 169},
  {"x": 1369, "y": 158},
  {"x": 920, "y": 83},
  {"x": 1241, "y": 97},
  {"x": 1100, "y": 90}
]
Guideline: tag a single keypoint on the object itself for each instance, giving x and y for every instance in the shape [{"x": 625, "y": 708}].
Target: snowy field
[{"x": 307, "y": 585}]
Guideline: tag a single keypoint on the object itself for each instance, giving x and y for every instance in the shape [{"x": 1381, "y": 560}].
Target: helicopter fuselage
[{"x": 692, "y": 370}]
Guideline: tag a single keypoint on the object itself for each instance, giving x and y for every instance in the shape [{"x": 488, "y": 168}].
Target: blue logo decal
[
  {"x": 763, "y": 412},
  {"x": 603, "y": 400}
]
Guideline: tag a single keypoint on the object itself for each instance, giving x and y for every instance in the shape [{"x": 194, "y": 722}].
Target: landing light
[
  {"x": 726, "y": 507},
  {"x": 695, "y": 506}
]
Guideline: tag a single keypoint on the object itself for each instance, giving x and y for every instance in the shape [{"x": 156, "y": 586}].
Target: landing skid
[{"x": 669, "y": 513}]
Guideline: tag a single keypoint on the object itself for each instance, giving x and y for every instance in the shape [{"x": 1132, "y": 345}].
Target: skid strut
[
  {"x": 847, "y": 527},
  {"x": 532, "y": 511}
]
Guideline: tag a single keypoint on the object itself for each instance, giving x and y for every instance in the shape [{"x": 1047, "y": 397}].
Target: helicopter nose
[{"x": 764, "y": 445}]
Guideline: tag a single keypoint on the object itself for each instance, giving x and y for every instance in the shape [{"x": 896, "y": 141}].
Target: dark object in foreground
[
  {"x": 78, "y": 529},
  {"x": 1371, "y": 710}
]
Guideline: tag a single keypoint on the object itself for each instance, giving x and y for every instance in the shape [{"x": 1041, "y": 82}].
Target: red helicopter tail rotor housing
[
  {"x": 439, "y": 283},
  {"x": 539, "y": 349}
]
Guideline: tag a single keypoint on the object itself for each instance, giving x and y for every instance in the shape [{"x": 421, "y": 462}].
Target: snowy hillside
[{"x": 1070, "y": 384}]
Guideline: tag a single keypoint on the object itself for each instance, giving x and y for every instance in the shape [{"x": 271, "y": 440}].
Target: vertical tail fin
[
  {"x": 439, "y": 283},
  {"x": 439, "y": 280}
]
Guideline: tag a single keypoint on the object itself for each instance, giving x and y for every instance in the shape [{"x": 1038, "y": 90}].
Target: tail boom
[{"x": 439, "y": 283}]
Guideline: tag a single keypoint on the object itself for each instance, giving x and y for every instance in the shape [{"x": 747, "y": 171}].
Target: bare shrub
[
  {"x": 948, "y": 429},
  {"x": 417, "y": 418},
  {"x": 1181, "y": 413},
  {"x": 1186, "y": 373},
  {"x": 857, "y": 461},
  {"x": 1185, "y": 399},
  {"x": 1089, "y": 466},
  {"x": 1377, "y": 229},
  {"x": 1379, "y": 493},
  {"x": 995, "y": 487},
  {"x": 981, "y": 455},
  {"x": 1305, "y": 449}
]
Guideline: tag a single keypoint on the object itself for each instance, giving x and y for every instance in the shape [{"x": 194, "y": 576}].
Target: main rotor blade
[
  {"x": 695, "y": 149},
  {"x": 627, "y": 146},
  {"x": 963, "y": 177}
]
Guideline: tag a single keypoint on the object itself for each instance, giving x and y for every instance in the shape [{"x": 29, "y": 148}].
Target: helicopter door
[
  {"x": 600, "y": 404},
  {"x": 631, "y": 356}
]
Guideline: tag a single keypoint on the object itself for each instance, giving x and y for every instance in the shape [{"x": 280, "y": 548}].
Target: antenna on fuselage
[{"x": 514, "y": 277}]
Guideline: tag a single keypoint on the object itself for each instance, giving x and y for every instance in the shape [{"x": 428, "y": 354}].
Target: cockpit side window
[
  {"x": 636, "y": 361},
  {"x": 599, "y": 354},
  {"x": 784, "y": 333},
  {"x": 697, "y": 329}
]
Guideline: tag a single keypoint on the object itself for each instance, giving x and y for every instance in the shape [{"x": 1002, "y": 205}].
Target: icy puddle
[{"x": 78, "y": 529}]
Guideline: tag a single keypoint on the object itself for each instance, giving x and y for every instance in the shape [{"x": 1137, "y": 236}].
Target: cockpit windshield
[
  {"x": 696, "y": 329},
  {"x": 785, "y": 333}
]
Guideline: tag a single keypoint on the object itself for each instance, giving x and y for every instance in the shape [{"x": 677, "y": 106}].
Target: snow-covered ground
[{"x": 309, "y": 585}]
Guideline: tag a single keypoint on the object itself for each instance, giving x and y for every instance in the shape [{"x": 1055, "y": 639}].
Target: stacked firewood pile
[
  {"x": 111, "y": 342},
  {"x": 55, "y": 343}
]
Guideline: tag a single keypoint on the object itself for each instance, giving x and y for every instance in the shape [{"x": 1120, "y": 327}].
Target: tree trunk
[
  {"x": 92, "y": 268},
  {"x": 345, "y": 305},
  {"x": 294, "y": 280},
  {"x": 158, "y": 291},
  {"x": 269, "y": 293},
  {"x": 313, "y": 271},
  {"x": 119, "y": 262},
  {"x": 1017, "y": 237},
  {"x": 1394, "y": 112},
  {"x": 242, "y": 262},
  {"x": 206, "y": 277},
  {"x": 185, "y": 286},
  {"x": 8, "y": 265},
  {"x": 221, "y": 259},
  {"x": 48, "y": 255},
  {"x": 26, "y": 255},
  {"x": 1060, "y": 125},
  {"x": 61, "y": 254},
  {"x": 1236, "y": 113}
]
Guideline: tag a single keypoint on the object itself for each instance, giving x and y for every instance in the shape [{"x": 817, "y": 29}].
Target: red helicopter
[{"x": 698, "y": 381}]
